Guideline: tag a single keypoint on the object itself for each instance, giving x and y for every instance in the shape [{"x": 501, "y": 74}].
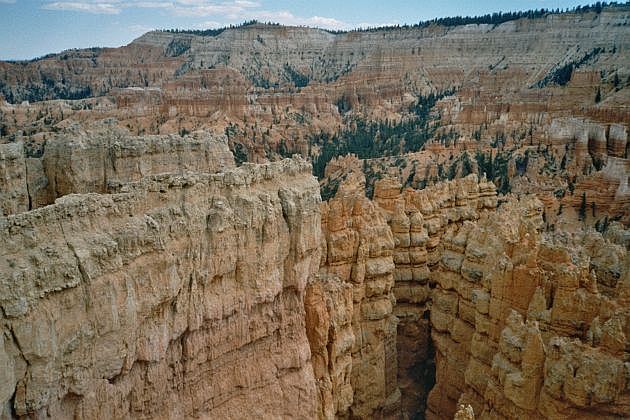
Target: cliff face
[
  {"x": 178, "y": 296},
  {"x": 524, "y": 327},
  {"x": 420, "y": 219},
  {"x": 143, "y": 275},
  {"x": 539, "y": 104},
  {"x": 202, "y": 294},
  {"x": 527, "y": 48},
  {"x": 13, "y": 182},
  {"x": 357, "y": 250},
  {"x": 491, "y": 312},
  {"x": 101, "y": 160}
]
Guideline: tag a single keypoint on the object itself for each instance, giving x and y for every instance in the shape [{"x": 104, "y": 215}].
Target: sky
[{"x": 32, "y": 28}]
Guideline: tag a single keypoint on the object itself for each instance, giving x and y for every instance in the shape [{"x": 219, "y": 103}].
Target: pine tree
[{"x": 582, "y": 211}]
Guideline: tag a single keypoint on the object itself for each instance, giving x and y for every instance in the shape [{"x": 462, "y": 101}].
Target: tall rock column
[
  {"x": 430, "y": 228},
  {"x": 358, "y": 250}
]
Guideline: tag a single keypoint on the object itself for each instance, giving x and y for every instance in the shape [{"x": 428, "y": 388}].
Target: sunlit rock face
[
  {"x": 494, "y": 314},
  {"x": 201, "y": 294},
  {"x": 357, "y": 247},
  {"x": 179, "y": 296}
]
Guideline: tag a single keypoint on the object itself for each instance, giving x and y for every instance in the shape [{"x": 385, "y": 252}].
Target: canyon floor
[{"x": 427, "y": 221}]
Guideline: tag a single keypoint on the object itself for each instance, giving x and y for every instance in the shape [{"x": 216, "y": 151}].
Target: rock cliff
[
  {"x": 201, "y": 294},
  {"x": 357, "y": 248},
  {"x": 101, "y": 159},
  {"x": 538, "y": 104},
  {"x": 492, "y": 311},
  {"x": 179, "y": 296},
  {"x": 465, "y": 254}
]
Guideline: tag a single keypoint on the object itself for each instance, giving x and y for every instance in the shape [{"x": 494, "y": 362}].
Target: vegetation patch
[{"x": 368, "y": 140}]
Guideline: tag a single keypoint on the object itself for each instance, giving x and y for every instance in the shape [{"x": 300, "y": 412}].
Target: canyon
[
  {"x": 202, "y": 293},
  {"x": 284, "y": 222}
]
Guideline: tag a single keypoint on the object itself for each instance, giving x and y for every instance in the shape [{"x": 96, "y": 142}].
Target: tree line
[{"x": 496, "y": 18}]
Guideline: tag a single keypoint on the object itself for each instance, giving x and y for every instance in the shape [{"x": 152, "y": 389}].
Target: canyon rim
[{"x": 424, "y": 221}]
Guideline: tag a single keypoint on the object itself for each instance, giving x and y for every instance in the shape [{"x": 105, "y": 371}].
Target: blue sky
[{"x": 31, "y": 28}]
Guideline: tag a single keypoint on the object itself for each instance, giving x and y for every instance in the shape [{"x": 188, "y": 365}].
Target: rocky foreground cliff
[
  {"x": 223, "y": 292},
  {"x": 177, "y": 296}
]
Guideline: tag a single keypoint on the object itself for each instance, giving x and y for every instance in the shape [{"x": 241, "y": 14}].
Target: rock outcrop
[
  {"x": 179, "y": 296},
  {"x": 493, "y": 313},
  {"x": 14, "y": 197},
  {"x": 100, "y": 160},
  {"x": 202, "y": 294},
  {"x": 357, "y": 249},
  {"x": 329, "y": 310},
  {"x": 419, "y": 220}
]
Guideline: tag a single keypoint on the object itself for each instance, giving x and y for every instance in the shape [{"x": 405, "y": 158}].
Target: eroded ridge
[
  {"x": 202, "y": 294},
  {"x": 180, "y": 296}
]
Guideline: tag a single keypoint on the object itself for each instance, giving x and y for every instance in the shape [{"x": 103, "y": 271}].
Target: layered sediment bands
[
  {"x": 419, "y": 219},
  {"x": 462, "y": 268},
  {"x": 202, "y": 295},
  {"x": 13, "y": 183},
  {"x": 100, "y": 160},
  {"x": 514, "y": 317},
  {"x": 329, "y": 310},
  {"x": 509, "y": 317},
  {"x": 96, "y": 160},
  {"x": 357, "y": 249},
  {"x": 180, "y": 296},
  {"x": 526, "y": 49}
]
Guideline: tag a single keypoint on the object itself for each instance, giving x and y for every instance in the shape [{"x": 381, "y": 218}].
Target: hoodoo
[{"x": 427, "y": 221}]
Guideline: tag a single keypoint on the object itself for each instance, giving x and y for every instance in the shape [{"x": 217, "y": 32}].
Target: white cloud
[
  {"x": 209, "y": 24},
  {"x": 85, "y": 6},
  {"x": 140, "y": 29},
  {"x": 287, "y": 18},
  {"x": 179, "y": 7},
  {"x": 232, "y": 10},
  {"x": 218, "y": 12}
]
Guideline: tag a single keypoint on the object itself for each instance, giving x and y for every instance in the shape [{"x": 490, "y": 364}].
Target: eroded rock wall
[
  {"x": 178, "y": 296},
  {"x": 419, "y": 220},
  {"x": 329, "y": 310},
  {"x": 199, "y": 294},
  {"x": 517, "y": 320},
  {"x": 13, "y": 184},
  {"x": 99, "y": 160},
  {"x": 357, "y": 249},
  {"x": 555, "y": 324},
  {"x": 508, "y": 319}
]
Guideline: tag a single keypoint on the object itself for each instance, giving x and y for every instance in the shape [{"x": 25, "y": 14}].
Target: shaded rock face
[
  {"x": 419, "y": 219},
  {"x": 279, "y": 90},
  {"x": 14, "y": 197},
  {"x": 329, "y": 309},
  {"x": 493, "y": 316},
  {"x": 179, "y": 296}
]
